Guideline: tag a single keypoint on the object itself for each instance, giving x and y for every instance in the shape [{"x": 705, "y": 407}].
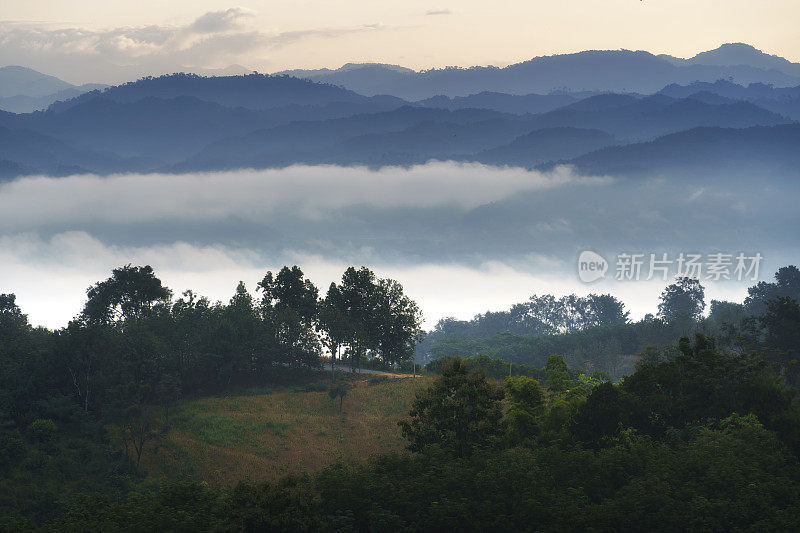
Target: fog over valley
[{"x": 463, "y": 237}]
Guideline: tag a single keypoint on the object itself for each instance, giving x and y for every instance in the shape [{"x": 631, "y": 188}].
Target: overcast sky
[{"x": 103, "y": 41}]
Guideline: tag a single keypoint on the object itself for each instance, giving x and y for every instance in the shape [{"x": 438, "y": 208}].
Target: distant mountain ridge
[
  {"x": 593, "y": 70},
  {"x": 16, "y": 80},
  {"x": 578, "y": 74},
  {"x": 183, "y": 122},
  {"x": 744, "y": 54},
  {"x": 251, "y": 91},
  {"x": 782, "y": 100},
  {"x": 23, "y": 90}
]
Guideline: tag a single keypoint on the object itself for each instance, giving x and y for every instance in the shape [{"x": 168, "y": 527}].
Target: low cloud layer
[
  {"x": 461, "y": 238},
  {"x": 309, "y": 191}
]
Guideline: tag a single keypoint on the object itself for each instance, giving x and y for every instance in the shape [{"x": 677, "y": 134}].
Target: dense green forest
[{"x": 703, "y": 433}]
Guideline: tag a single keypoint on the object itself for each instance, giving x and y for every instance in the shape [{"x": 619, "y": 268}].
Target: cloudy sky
[
  {"x": 102, "y": 41},
  {"x": 462, "y": 238}
]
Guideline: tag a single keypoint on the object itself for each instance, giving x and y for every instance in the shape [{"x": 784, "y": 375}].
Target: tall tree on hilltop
[
  {"x": 397, "y": 322},
  {"x": 684, "y": 300},
  {"x": 290, "y": 306},
  {"x": 130, "y": 292},
  {"x": 334, "y": 322},
  {"x": 358, "y": 305}
]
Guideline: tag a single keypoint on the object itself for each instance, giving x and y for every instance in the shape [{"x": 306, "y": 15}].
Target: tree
[
  {"x": 601, "y": 416},
  {"x": 524, "y": 397},
  {"x": 133, "y": 391},
  {"x": 130, "y": 292},
  {"x": 605, "y": 310},
  {"x": 557, "y": 373},
  {"x": 87, "y": 350},
  {"x": 782, "y": 340},
  {"x": 459, "y": 413},
  {"x": 782, "y": 322},
  {"x": 338, "y": 391},
  {"x": 684, "y": 300},
  {"x": 787, "y": 283},
  {"x": 239, "y": 331},
  {"x": 289, "y": 306},
  {"x": 16, "y": 356},
  {"x": 397, "y": 322},
  {"x": 358, "y": 307},
  {"x": 333, "y": 322}
]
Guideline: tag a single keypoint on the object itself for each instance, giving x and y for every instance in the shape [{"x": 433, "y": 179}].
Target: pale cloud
[
  {"x": 216, "y": 21},
  {"x": 435, "y": 12},
  {"x": 214, "y": 40},
  {"x": 310, "y": 191}
]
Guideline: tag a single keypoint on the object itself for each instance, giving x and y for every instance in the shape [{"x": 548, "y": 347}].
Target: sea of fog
[{"x": 461, "y": 238}]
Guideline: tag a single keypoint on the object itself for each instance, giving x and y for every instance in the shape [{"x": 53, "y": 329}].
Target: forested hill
[
  {"x": 712, "y": 152},
  {"x": 251, "y": 91}
]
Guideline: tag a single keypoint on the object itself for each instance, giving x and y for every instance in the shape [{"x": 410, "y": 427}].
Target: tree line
[{"x": 594, "y": 333}]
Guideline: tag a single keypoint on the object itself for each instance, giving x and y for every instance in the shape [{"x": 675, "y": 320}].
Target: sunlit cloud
[
  {"x": 214, "y": 40},
  {"x": 217, "y": 21}
]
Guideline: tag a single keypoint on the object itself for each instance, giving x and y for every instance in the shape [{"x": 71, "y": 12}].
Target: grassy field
[{"x": 263, "y": 435}]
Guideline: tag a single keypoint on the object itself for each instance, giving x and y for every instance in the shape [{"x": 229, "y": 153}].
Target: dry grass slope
[{"x": 263, "y": 436}]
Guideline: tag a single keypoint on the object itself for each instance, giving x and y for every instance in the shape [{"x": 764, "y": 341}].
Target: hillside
[
  {"x": 706, "y": 152},
  {"x": 502, "y": 102},
  {"x": 632, "y": 118},
  {"x": 37, "y": 153},
  {"x": 267, "y": 434},
  {"x": 546, "y": 144},
  {"x": 360, "y": 138}
]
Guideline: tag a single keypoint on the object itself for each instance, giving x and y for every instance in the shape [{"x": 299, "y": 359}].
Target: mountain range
[
  {"x": 186, "y": 122},
  {"x": 593, "y": 70}
]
